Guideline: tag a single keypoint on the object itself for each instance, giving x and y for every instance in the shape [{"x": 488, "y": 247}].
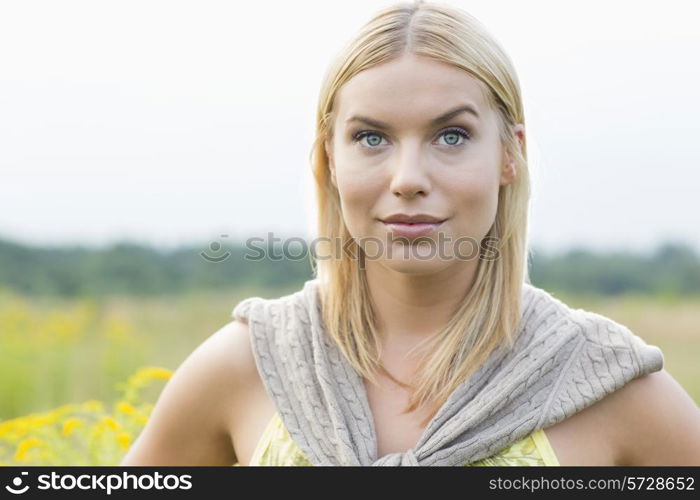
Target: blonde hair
[{"x": 490, "y": 312}]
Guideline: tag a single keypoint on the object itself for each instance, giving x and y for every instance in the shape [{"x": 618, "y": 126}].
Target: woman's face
[{"x": 389, "y": 156}]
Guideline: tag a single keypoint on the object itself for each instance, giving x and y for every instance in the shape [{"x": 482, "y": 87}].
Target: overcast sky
[{"x": 172, "y": 122}]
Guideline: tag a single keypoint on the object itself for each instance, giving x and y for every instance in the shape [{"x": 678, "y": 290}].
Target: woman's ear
[
  {"x": 331, "y": 165},
  {"x": 508, "y": 173}
]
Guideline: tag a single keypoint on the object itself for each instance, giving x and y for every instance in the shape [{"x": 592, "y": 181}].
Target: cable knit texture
[{"x": 563, "y": 361}]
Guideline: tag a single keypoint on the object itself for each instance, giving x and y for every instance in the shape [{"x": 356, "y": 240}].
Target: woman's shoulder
[
  {"x": 234, "y": 344},
  {"x": 617, "y": 380},
  {"x": 656, "y": 422},
  {"x": 650, "y": 420},
  {"x": 279, "y": 320},
  {"x": 196, "y": 407},
  {"x": 225, "y": 366},
  {"x": 260, "y": 326}
]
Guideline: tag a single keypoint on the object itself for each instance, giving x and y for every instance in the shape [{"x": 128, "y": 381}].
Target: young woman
[{"x": 425, "y": 343}]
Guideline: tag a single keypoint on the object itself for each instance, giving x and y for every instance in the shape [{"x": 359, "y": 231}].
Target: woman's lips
[{"x": 413, "y": 230}]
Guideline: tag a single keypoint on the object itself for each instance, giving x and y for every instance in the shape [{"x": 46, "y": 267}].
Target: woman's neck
[{"x": 412, "y": 307}]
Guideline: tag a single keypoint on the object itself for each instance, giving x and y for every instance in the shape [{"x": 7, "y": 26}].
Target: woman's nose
[{"x": 409, "y": 176}]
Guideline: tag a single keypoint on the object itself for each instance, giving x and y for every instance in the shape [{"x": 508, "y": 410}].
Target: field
[{"x": 78, "y": 377}]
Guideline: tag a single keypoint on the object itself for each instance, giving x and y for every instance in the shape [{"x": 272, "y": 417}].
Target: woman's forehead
[{"x": 414, "y": 87}]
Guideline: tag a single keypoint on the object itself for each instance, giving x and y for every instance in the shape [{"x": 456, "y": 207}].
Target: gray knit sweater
[{"x": 563, "y": 360}]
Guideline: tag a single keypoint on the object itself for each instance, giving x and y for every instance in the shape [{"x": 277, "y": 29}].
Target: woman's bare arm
[
  {"x": 191, "y": 421},
  {"x": 658, "y": 422}
]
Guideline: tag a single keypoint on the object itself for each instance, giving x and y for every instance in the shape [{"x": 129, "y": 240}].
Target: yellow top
[{"x": 277, "y": 448}]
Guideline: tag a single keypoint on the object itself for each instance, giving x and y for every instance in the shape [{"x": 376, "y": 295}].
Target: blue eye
[
  {"x": 456, "y": 132},
  {"x": 450, "y": 132}
]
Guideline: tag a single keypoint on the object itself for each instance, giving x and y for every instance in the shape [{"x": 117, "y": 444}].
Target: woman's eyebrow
[{"x": 468, "y": 108}]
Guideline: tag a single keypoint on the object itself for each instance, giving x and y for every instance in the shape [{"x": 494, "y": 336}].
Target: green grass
[
  {"x": 57, "y": 351},
  {"x": 54, "y": 352}
]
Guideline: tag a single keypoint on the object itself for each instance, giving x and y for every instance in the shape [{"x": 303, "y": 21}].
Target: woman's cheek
[
  {"x": 357, "y": 202},
  {"x": 476, "y": 198}
]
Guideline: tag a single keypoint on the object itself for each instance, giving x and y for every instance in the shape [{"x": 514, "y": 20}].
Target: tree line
[{"x": 126, "y": 268}]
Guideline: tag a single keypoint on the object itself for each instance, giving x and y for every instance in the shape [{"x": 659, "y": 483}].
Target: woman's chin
[
  {"x": 416, "y": 257},
  {"x": 414, "y": 264}
]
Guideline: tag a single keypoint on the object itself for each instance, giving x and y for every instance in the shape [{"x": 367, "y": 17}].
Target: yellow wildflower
[
  {"x": 124, "y": 440},
  {"x": 111, "y": 423},
  {"x": 7, "y": 427},
  {"x": 17, "y": 427},
  {"x": 24, "y": 447},
  {"x": 126, "y": 408},
  {"x": 154, "y": 372},
  {"x": 40, "y": 420},
  {"x": 71, "y": 424}
]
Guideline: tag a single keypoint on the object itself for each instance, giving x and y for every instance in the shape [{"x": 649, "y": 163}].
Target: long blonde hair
[{"x": 490, "y": 312}]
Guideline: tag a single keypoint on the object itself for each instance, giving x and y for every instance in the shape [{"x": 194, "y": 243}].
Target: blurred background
[{"x": 143, "y": 144}]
